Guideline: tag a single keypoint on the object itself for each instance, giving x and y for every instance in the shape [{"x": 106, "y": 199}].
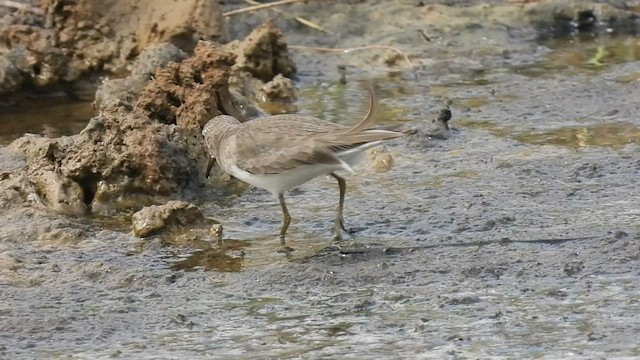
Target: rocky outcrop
[
  {"x": 133, "y": 151},
  {"x": 73, "y": 38},
  {"x": 120, "y": 159},
  {"x": 192, "y": 92},
  {"x": 263, "y": 69},
  {"x": 145, "y": 145}
]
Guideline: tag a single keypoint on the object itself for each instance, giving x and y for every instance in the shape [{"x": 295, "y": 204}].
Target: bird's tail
[{"x": 371, "y": 114}]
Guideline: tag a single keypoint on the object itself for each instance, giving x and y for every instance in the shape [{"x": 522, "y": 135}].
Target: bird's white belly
[{"x": 279, "y": 183}]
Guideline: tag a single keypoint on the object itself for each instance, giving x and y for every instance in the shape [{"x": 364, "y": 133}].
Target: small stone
[
  {"x": 557, "y": 293},
  {"x": 280, "y": 89},
  {"x": 381, "y": 159},
  {"x": 620, "y": 234},
  {"x": 574, "y": 267},
  {"x": 115, "y": 354},
  {"x": 216, "y": 234},
  {"x": 464, "y": 300},
  {"x": 157, "y": 218}
]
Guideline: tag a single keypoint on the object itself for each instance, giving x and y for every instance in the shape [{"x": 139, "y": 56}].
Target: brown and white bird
[{"x": 280, "y": 152}]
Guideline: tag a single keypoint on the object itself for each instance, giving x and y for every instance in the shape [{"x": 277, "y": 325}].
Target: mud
[
  {"x": 59, "y": 42},
  {"x": 515, "y": 236}
]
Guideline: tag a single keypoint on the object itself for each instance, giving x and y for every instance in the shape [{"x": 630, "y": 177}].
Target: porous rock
[
  {"x": 142, "y": 147},
  {"x": 263, "y": 67},
  {"x": 119, "y": 154},
  {"x": 263, "y": 53},
  {"x": 73, "y": 38},
  {"x": 170, "y": 216},
  {"x": 191, "y": 92},
  {"x": 113, "y": 91},
  {"x": 279, "y": 89}
]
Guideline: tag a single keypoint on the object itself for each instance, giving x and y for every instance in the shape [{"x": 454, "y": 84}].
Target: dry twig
[
  {"x": 20, "y": 6},
  {"x": 348, "y": 50},
  {"x": 260, "y": 7}
]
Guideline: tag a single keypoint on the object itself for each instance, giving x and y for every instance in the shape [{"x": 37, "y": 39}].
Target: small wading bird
[{"x": 280, "y": 152}]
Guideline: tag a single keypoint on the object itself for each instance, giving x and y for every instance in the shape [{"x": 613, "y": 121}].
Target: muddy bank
[
  {"x": 60, "y": 42},
  {"x": 514, "y": 236}
]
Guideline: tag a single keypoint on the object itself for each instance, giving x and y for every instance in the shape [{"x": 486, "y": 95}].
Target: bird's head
[{"x": 215, "y": 130}]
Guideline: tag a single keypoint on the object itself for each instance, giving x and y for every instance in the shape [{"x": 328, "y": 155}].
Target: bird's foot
[
  {"x": 340, "y": 229},
  {"x": 285, "y": 249}
]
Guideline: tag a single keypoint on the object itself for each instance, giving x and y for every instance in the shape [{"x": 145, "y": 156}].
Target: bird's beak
[{"x": 212, "y": 161}]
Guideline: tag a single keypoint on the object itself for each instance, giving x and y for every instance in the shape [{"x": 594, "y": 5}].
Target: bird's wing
[
  {"x": 276, "y": 146},
  {"x": 278, "y": 143},
  {"x": 281, "y": 143}
]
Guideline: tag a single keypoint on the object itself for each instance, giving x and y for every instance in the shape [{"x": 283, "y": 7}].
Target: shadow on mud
[{"x": 349, "y": 254}]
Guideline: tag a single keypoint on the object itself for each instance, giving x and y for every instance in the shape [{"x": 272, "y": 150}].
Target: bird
[
  {"x": 440, "y": 128},
  {"x": 280, "y": 152}
]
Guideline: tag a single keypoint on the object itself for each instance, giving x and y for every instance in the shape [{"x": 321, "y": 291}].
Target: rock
[
  {"x": 172, "y": 92},
  {"x": 216, "y": 234},
  {"x": 557, "y": 293},
  {"x": 154, "y": 58},
  {"x": 61, "y": 194},
  {"x": 425, "y": 133},
  {"x": 246, "y": 91},
  {"x": 15, "y": 188},
  {"x": 137, "y": 148},
  {"x": 61, "y": 237},
  {"x": 10, "y": 76},
  {"x": 246, "y": 108},
  {"x": 275, "y": 97},
  {"x": 77, "y": 37},
  {"x": 9, "y": 193},
  {"x": 381, "y": 159},
  {"x": 263, "y": 69},
  {"x": 574, "y": 267},
  {"x": 192, "y": 92},
  {"x": 561, "y": 18},
  {"x": 145, "y": 144},
  {"x": 128, "y": 89},
  {"x": 280, "y": 89},
  {"x": 42, "y": 65},
  {"x": 263, "y": 53},
  {"x": 119, "y": 155},
  {"x": 158, "y": 218},
  {"x": 461, "y": 300},
  {"x": 45, "y": 184}
]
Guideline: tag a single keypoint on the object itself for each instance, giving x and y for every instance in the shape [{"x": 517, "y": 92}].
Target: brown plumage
[{"x": 280, "y": 152}]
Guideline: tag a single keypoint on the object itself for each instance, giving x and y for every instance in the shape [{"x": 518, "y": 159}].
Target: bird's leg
[
  {"x": 342, "y": 185},
  {"x": 212, "y": 161},
  {"x": 286, "y": 220}
]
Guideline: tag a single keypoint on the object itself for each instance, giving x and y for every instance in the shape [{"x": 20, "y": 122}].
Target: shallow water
[{"x": 51, "y": 117}]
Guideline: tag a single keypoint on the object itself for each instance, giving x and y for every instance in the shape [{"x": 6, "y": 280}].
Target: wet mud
[{"x": 511, "y": 234}]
